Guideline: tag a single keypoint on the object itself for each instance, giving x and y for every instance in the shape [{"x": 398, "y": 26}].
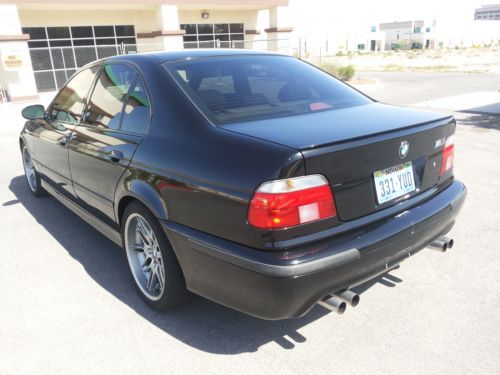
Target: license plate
[{"x": 394, "y": 182}]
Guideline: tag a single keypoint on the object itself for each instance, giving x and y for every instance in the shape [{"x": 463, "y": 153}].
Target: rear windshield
[{"x": 245, "y": 88}]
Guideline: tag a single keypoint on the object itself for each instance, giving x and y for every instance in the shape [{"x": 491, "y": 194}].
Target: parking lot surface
[{"x": 68, "y": 305}]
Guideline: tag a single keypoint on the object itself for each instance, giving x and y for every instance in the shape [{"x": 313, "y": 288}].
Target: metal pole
[
  {"x": 3, "y": 90},
  {"x": 64, "y": 64},
  {"x": 49, "y": 50}
]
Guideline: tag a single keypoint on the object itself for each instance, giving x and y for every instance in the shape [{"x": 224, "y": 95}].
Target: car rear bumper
[{"x": 288, "y": 283}]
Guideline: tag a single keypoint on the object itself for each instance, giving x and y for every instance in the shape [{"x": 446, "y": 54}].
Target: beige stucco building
[{"x": 42, "y": 42}]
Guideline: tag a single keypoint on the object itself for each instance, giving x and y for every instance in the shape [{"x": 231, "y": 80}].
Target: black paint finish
[{"x": 198, "y": 178}]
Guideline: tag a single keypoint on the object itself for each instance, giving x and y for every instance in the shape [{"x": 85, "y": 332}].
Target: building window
[
  {"x": 418, "y": 30},
  {"x": 57, "y": 52},
  {"x": 219, "y": 35},
  {"x": 374, "y": 29}
]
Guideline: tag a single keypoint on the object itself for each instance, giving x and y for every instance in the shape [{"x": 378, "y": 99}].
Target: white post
[
  {"x": 168, "y": 21},
  {"x": 279, "y": 30},
  {"x": 16, "y": 69}
]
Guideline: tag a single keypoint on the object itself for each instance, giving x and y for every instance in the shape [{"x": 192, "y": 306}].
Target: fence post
[
  {"x": 64, "y": 64},
  {"x": 3, "y": 90}
]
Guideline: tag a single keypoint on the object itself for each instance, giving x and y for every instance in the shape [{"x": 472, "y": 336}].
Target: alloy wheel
[
  {"x": 144, "y": 256},
  {"x": 29, "y": 169}
]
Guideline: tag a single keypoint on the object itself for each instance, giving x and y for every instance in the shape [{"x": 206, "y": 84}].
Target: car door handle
[
  {"x": 115, "y": 156},
  {"x": 63, "y": 141}
]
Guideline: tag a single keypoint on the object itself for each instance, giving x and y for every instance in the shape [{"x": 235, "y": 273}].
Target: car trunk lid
[
  {"x": 350, "y": 145},
  {"x": 356, "y": 169},
  {"x": 322, "y": 128}
]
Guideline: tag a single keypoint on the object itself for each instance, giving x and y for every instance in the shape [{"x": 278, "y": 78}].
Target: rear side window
[
  {"x": 137, "y": 110},
  {"x": 108, "y": 98},
  {"x": 243, "y": 88},
  {"x": 68, "y": 104}
]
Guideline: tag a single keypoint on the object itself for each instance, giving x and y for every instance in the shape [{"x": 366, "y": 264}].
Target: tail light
[
  {"x": 448, "y": 156},
  {"x": 290, "y": 202}
]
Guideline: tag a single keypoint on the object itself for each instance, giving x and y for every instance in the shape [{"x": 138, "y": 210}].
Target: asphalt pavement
[
  {"x": 406, "y": 88},
  {"x": 68, "y": 305}
]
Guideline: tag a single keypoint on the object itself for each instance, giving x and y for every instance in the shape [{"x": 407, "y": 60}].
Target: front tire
[
  {"x": 152, "y": 261},
  {"x": 32, "y": 176}
]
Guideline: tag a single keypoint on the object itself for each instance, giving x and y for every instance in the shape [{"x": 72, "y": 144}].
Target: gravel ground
[
  {"x": 468, "y": 60},
  {"x": 69, "y": 306}
]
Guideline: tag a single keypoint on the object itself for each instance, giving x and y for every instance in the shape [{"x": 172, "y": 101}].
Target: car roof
[{"x": 163, "y": 56}]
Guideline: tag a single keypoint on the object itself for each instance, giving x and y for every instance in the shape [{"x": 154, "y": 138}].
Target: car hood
[{"x": 318, "y": 129}]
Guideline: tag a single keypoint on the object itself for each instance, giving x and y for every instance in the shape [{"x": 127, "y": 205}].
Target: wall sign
[{"x": 12, "y": 60}]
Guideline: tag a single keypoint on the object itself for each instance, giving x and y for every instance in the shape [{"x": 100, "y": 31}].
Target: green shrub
[{"x": 345, "y": 73}]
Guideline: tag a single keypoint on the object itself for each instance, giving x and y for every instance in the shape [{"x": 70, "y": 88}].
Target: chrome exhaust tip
[
  {"x": 442, "y": 244},
  {"x": 350, "y": 297},
  {"x": 333, "y": 303}
]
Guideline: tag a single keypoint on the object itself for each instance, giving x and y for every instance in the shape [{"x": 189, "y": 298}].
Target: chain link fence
[{"x": 53, "y": 66}]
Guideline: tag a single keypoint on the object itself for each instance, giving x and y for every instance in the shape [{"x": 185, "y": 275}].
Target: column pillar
[
  {"x": 279, "y": 31},
  {"x": 16, "y": 72},
  {"x": 170, "y": 32}
]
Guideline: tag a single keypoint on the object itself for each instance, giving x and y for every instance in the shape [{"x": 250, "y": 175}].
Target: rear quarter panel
[{"x": 193, "y": 173}]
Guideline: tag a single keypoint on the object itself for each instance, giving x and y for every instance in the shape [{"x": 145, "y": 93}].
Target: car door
[
  {"x": 115, "y": 119},
  {"x": 52, "y": 134}
]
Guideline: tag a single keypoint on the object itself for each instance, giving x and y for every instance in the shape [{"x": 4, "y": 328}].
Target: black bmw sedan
[{"x": 255, "y": 180}]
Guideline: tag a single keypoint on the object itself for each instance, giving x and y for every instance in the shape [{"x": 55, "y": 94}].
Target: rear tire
[
  {"x": 152, "y": 262},
  {"x": 32, "y": 176}
]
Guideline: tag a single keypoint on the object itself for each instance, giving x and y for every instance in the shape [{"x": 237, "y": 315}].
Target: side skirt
[{"x": 103, "y": 228}]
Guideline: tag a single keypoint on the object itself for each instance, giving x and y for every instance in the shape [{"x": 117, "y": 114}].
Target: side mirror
[{"x": 33, "y": 112}]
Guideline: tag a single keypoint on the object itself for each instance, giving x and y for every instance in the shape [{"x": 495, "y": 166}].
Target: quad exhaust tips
[
  {"x": 333, "y": 303},
  {"x": 350, "y": 297},
  {"x": 441, "y": 244},
  {"x": 337, "y": 302}
]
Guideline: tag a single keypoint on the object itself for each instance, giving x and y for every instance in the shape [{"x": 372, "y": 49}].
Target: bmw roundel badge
[{"x": 403, "y": 149}]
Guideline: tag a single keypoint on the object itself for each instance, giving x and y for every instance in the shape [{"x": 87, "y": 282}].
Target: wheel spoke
[
  {"x": 138, "y": 247},
  {"x": 161, "y": 283},
  {"x": 151, "y": 279},
  {"x": 143, "y": 231},
  {"x": 161, "y": 276}
]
